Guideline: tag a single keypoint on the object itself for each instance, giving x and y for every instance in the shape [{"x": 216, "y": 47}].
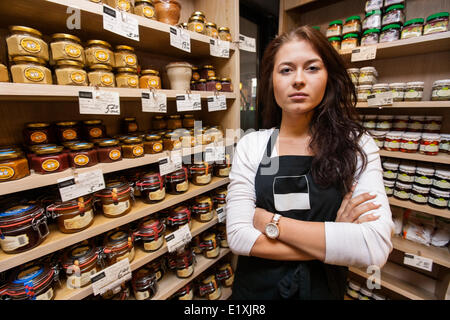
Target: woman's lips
[{"x": 298, "y": 96}]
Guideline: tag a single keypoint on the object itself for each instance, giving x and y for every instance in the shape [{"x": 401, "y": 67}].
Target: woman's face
[{"x": 299, "y": 77}]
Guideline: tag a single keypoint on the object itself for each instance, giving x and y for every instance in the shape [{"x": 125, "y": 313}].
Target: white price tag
[
  {"x": 83, "y": 184},
  {"x": 99, "y": 102},
  {"x": 111, "y": 277},
  {"x": 179, "y": 238},
  {"x": 364, "y": 53},
  {"x": 247, "y": 43},
  {"x": 221, "y": 214},
  {"x": 219, "y": 153},
  {"x": 418, "y": 262},
  {"x": 189, "y": 102},
  {"x": 217, "y": 103},
  {"x": 156, "y": 103},
  {"x": 120, "y": 22},
  {"x": 210, "y": 154},
  {"x": 176, "y": 158},
  {"x": 180, "y": 39},
  {"x": 219, "y": 48},
  {"x": 380, "y": 99},
  {"x": 171, "y": 163}
]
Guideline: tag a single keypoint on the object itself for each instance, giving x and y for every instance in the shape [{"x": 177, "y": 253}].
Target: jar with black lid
[
  {"x": 178, "y": 217},
  {"x": 177, "y": 182},
  {"x": 202, "y": 208},
  {"x": 200, "y": 173},
  {"x": 419, "y": 194},
  {"x": 402, "y": 190},
  {"x": 144, "y": 284},
  {"x": 151, "y": 232},
  {"x": 94, "y": 129},
  {"x": 424, "y": 175},
  {"x": 152, "y": 187},
  {"x": 118, "y": 245},
  {"x": 441, "y": 179}
]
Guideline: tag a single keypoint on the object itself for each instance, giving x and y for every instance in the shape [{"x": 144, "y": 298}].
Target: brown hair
[{"x": 334, "y": 127}]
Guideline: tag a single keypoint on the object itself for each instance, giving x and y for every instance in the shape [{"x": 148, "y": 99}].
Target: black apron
[{"x": 291, "y": 192}]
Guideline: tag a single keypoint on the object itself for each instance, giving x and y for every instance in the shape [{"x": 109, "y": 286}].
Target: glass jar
[
  {"x": 133, "y": 147},
  {"x": 67, "y": 131},
  {"x": 99, "y": 52},
  {"x": 127, "y": 78},
  {"x": 207, "y": 72},
  {"x": 183, "y": 262},
  {"x": 380, "y": 87},
  {"x": 94, "y": 129},
  {"x": 353, "y": 290},
  {"x": 4, "y": 75},
  {"x": 440, "y": 90},
  {"x": 122, "y": 5},
  {"x": 185, "y": 293},
  {"x": 367, "y": 75},
  {"x": 390, "y": 170},
  {"x": 222, "y": 235},
  {"x": 398, "y": 91},
  {"x": 224, "y": 34},
  {"x": 158, "y": 267},
  {"x": 373, "y": 5},
  {"x": 201, "y": 85},
  {"x": 109, "y": 150},
  {"x": 151, "y": 232},
  {"x": 410, "y": 142},
  {"x": 429, "y": 145},
  {"x": 149, "y": 79},
  {"x": 188, "y": 121},
  {"x": 226, "y": 85},
  {"x": 28, "y": 69},
  {"x": 70, "y": 72},
  {"x": 352, "y": 25},
  {"x": 220, "y": 198},
  {"x": 144, "y": 284},
  {"x": 416, "y": 123},
  {"x": 378, "y": 137},
  {"x": 13, "y": 165},
  {"x": 83, "y": 155},
  {"x": 335, "y": 43},
  {"x": 370, "y": 37},
  {"x": 406, "y": 172},
  {"x": 393, "y": 140},
  {"x": 178, "y": 217},
  {"x": 145, "y": 8},
  {"x": 444, "y": 145},
  {"x": 118, "y": 245},
  {"x": 210, "y": 288},
  {"x": 213, "y": 84},
  {"x": 67, "y": 47},
  {"x": 209, "y": 245},
  {"x": 152, "y": 187},
  {"x": 437, "y": 22},
  {"x": 365, "y": 294},
  {"x": 73, "y": 215},
  {"x": 202, "y": 209},
  {"x": 195, "y": 74},
  {"x": 100, "y": 75},
  {"x": 400, "y": 123},
  {"x": 438, "y": 199},
  {"x": 363, "y": 92},
  {"x": 225, "y": 274},
  {"x": 196, "y": 24},
  {"x": 402, "y": 191},
  {"x": 174, "y": 122},
  {"x": 171, "y": 141},
  {"x": 334, "y": 29},
  {"x": 116, "y": 199},
  {"x": 424, "y": 175},
  {"x": 389, "y": 187},
  {"x": 200, "y": 173},
  {"x": 390, "y": 33},
  {"x": 186, "y": 139},
  {"x": 354, "y": 75},
  {"x": 394, "y": 14},
  {"x": 49, "y": 159},
  {"x": 432, "y": 124},
  {"x": 350, "y": 41},
  {"x": 419, "y": 194},
  {"x": 153, "y": 144},
  {"x": 125, "y": 57},
  {"x": 211, "y": 30},
  {"x": 24, "y": 41},
  {"x": 441, "y": 179},
  {"x": 414, "y": 91},
  {"x": 222, "y": 169},
  {"x": 159, "y": 123},
  {"x": 23, "y": 227},
  {"x": 370, "y": 121},
  {"x": 372, "y": 20},
  {"x": 130, "y": 125},
  {"x": 177, "y": 182},
  {"x": 412, "y": 28}
]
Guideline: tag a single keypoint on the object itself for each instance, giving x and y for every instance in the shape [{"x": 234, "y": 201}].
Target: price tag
[
  {"x": 82, "y": 184},
  {"x": 120, "y": 22},
  {"x": 99, "y": 102},
  {"x": 176, "y": 158},
  {"x": 219, "y": 153},
  {"x": 111, "y": 277},
  {"x": 221, "y": 214},
  {"x": 156, "y": 103},
  {"x": 217, "y": 103},
  {"x": 171, "y": 163},
  {"x": 179, "y": 238},
  {"x": 189, "y": 102},
  {"x": 247, "y": 43},
  {"x": 380, "y": 99},
  {"x": 210, "y": 154},
  {"x": 180, "y": 39},
  {"x": 219, "y": 48},
  {"x": 364, "y": 53},
  {"x": 418, "y": 262}
]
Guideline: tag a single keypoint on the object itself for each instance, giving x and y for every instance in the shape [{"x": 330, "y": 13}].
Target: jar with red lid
[
  {"x": 210, "y": 245},
  {"x": 183, "y": 262},
  {"x": 109, "y": 150},
  {"x": 118, "y": 245},
  {"x": 225, "y": 274},
  {"x": 144, "y": 284},
  {"x": 393, "y": 140},
  {"x": 209, "y": 287},
  {"x": 73, "y": 215},
  {"x": 178, "y": 217},
  {"x": 67, "y": 131},
  {"x": 80, "y": 262},
  {"x": 94, "y": 129},
  {"x": 37, "y": 133},
  {"x": 83, "y": 155},
  {"x": 152, "y": 187},
  {"x": 49, "y": 159},
  {"x": 213, "y": 84},
  {"x": 429, "y": 145},
  {"x": 177, "y": 182},
  {"x": 202, "y": 209},
  {"x": 432, "y": 124},
  {"x": 200, "y": 173},
  {"x": 22, "y": 227},
  {"x": 117, "y": 199},
  {"x": 151, "y": 232},
  {"x": 410, "y": 142}
]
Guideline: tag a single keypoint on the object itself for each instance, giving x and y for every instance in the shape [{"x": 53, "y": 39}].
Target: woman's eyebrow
[{"x": 291, "y": 64}]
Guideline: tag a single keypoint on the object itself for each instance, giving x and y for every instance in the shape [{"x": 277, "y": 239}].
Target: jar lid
[
  {"x": 408, "y": 167},
  {"x": 365, "y": 87},
  {"x": 226, "y": 29},
  {"x": 150, "y": 71},
  {"x": 335, "y": 22},
  {"x": 395, "y": 7},
  {"x": 38, "y": 125},
  {"x": 28, "y": 59},
  {"x": 98, "y": 42},
  {"x": 442, "y": 173},
  {"x": 389, "y": 183},
  {"x": 354, "y": 286},
  {"x": 394, "y": 134},
  {"x": 391, "y": 165},
  {"x": 201, "y": 80},
  {"x": 412, "y": 135},
  {"x": 417, "y": 118},
  {"x": 126, "y": 70},
  {"x": 212, "y": 79},
  {"x": 10, "y": 154},
  {"x": 365, "y": 69},
  {"x": 152, "y": 137},
  {"x": 402, "y": 185},
  {"x": 353, "y": 70},
  {"x": 421, "y": 189},
  {"x": 334, "y": 39},
  {"x": 440, "y": 193},
  {"x": 431, "y": 136},
  {"x": 188, "y": 116},
  {"x": 438, "y": 118},
  {"x": 397, "y": 85},
  {"x": 66, "y": 123},
  {"x": 352, "y": 18},
  {"x": 415, "y": 84},
  {"x": 414, "y": 21},
  {"x": 425, "y": 170},
  {"x": 100, "y": 67},
  {"x": 49, "y": 149},
  {"x": 370, "y": 116},
  {"x": 371, "y": 31},
  {"x": 25, "y": 29},
  {"x": 445, "y": 135},
  {"x": 70, "y": 63},
  {"x": 124, "y": 47},
  {"x": 391, "y": 26},
  {"x": 378, "y": 134},
  {"x": 208, "y": 66},
  {"x": 198, "y": 13},
  {"x": 66, "y": 36},
  {"x": 197, "y": 18},
  {"x": 131, "y": 140},
  {"x": 443, "y": 82},
  {"x": 438, "y": 15},
  {"x": 380, "y": 85},
  {"x": 401, "y": 117},
  {"x": 82, "y": 252},
  {"x": 94, "y": 121},
  {"x": 82, "y": 146},
  {"x": 351, "y": 35},
  {"x": 211, "y": 24},
  {"x": 366, "y": 292},
  {"x": 146, "y": 1},
  {"x": 368, "y": 14},
  {"x": 109, "y": 143},
  {"x": 225, "y": 80}
]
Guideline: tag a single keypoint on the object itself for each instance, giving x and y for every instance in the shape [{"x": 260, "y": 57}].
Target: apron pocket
[{"x": 291, "y": 193}]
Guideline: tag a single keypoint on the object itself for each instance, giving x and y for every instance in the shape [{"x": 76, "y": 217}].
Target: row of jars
[
  {"x": 417, "y": 182},
  {"x": 206, "y": 79},
  {"x": 363, "y": 76},
  {"x": 359, "y": 292},
  {"x": 197, "y": 22},
  {"x": 421, "y": 124}
]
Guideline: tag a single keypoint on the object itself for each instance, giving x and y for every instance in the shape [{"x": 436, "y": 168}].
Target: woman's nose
[{"x": 299, "y": 79}]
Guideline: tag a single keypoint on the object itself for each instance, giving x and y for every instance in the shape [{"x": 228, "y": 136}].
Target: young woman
[{"x": 306, "y": 197}]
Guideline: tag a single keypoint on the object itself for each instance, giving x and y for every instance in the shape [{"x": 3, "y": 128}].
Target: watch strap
[{"x": 276, "y": 218}]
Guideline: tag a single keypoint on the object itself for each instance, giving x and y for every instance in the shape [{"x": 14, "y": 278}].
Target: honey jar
[
  {"x": 27, "y": 69},
  {"x": 70, "y": 73},
  {"x": 144, "y": 284},
  {"x": 224, "y": 34},
  {"x": 196, "y": 24},
  {"x": 149, "y": 79},
  {"x": 153, "y": 144},
  {"x": 13, "y": 165},
  {"x": 125, "y": 57},
  {"x": 133, "y": 147},
  {"x": 151, "y": 232},
  {"x": 109, "y": 151},
  {"x": 127, "y": 78},
  {"x": 82, "y": 155},
  {"x": 130, "y": 125},
  {"x": 100, "y": 75},
  {"x": 118, "y": 245},
  {"x": 151, "y": 186},
  {"x": 67, "y": 47},
  {"x": 211, "y": 30},
  {"x": 49, "y": 159},
  {"x": 174, "y": 122},
  {"x": 99, "y": 52},
  {"x": 25, "y": 41},
  {"x": 172, "y": 141},
  {"x": 144, "y": 8},
  {"x": 122, "y": 5},
  {"x": 116, "y": 199}
]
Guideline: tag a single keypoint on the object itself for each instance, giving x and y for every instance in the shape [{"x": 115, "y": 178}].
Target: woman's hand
[{"x": 352, "y": 208}]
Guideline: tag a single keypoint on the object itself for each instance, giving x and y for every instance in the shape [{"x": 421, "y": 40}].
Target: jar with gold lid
[
  {"x": 188, "y": 121},
  {"x": 171, "y": 141},
  {"x": 83, "y": 155},
  {"x": 67, "y": 131},
  {"x": 149, "y": 79},
  {"x": 37, "y": 133},
  {"x": 100, "y": 75},
  {"x": 70, "y": 72},
  {"x": 25, "y": 41},
  {"x": 145, "y": 8},
  {"x": 227, "y": 86},
  {"x": 99, "y": 52},
  {"x": 207, "y": 72},
  {"x": 196, "y": 24},
  {"x": 130, "y": 125},
  {"x": 133, "y": 147},
  {"x": 200, "y": 85},
  {"x": 13, "y": 165},
  {"x": 153, "y": 144},
  {"x": 174, "y": 122},
  {"x": 49, "y": 159},
  {"x": 195, "y": 73},
  {"x": 211, "y": 30},
  {"x": 213, "y": 84},
  {"x": 159, "y": 123},
  {"x": 27, "y": 69},
  {"x": 123, "y": 5},
  {"x": 127, "y": 78},
  {"x": 224, "y": 34},
  {"x": 118, "y": 245},
  {"x": 109, "y": 151},
  {"x": 125, "y": 57},
  {"x": 67, "y": 47},
  {"x": 93, "y": 129}
]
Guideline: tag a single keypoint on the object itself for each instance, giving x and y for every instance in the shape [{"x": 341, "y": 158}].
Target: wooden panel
[{"x": 445, "y": 213}]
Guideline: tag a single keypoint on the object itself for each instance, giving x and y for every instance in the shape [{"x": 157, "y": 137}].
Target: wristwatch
[{"x": 272, "y": 230}]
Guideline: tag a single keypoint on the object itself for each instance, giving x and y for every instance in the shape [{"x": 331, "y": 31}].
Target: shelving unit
[{"x": 418, "y": 59}]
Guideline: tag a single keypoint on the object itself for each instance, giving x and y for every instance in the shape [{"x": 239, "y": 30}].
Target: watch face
[{"x": 272, "y": 230}]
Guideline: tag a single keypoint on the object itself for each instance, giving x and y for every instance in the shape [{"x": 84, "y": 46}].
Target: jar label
[
  {"x": 218, "y": 86},
  {"x": 443, "y": 184},
  {"x": 81, "y": 160},
  {"x": 432, "y": 27},
  {"x": 401, "y": 194},
  {"x": 78, "y": 281},
  {"x": 138, "y": 151},
  {"x": 419, "y": 198},
  {"x": 72, "y": 51},
  {"x": 47, "y": 295},
  {"x": 34, "y": 74},
  {"x": 206, "y": 216},
  {"x": 153, "y": 83},
  {"x": 128, "y": 254},
  {"x": 132, "y": 82},
  {"x": 184, "y": 273},
  {"x": 157, "y": 147},
  {"x": 413, "y": 94},
  {"x": 184, "y": 186},
  {"x": 130, "y": 60},
  {"x": 38, "y": 137},
  {"x": 444, "y": 92},
  {"x": 78, "y": 77},
  {"x": 214, "y": 33},
  {"x": 334, "y": 31},
  {"x": 411, "y": 32},
  {"x": 13, "y": 243},
  {"x": 224, "y": 172},
  {"x": 423, "y": 180},
  {"x": 205, "y": 179},
  {"x": 351, "y": 28},
  {"x": 196, "y": 76},
  {"x": 405, "y": 178},
  {"x": 107, "y": 80},
  {"x": 116, "y": 209},
  {"x": 50, "y": 165},
  {"x": 95, "y": 132},
  {"x": 433, "y": 126},
  {"x": 132, "y": 127},
  {"x": 389, "y": 191},
  {"x": 141, "y": 295},
  {"x": 148, "y": 12},
  {"x": 389, "y": 174},
  {"x": 153, "y": 245},
  {"x": 115, "y": 154},
  {"x": 30, "y": 45},
  {"x": 211, "y": 73},
  {"x": 440, "y": 202},
  {"x": 6, "y": 173},
  {"x": 157, "y": 195},
  {"x": 409, "y": 145},
  {"x": 80, "y": 221},
  {"x": 429, "y": 147},
  {"x": 101, "y": 55},
  {"x": 69, "y": 134},
  {"x": 393, "y": 144},
  {"x": 212, "y": 253},
  {"x": 198, "y": 27},
  {"x": 124, "y": 5}
]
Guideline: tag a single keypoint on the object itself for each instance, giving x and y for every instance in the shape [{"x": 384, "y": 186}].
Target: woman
[{"x": 287, "y": 216}]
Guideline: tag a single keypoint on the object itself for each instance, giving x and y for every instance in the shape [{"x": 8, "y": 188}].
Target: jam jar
[
  {"x": 441, "y": 179},
  {"x": 152, "y": 187},
  {"x": 213, "y": 84},
  {"x": 127, "y": 78},
  {"x": 225, "y": 274},
  {"x": 196, "y": 24},
  {"x": 125, "y": 57},
  {"x": 202, "y": 209},
  {"x": 174, "y": 122},
  {"x": 372, "y": 20},
  {"x": 394, "y": 14},
  {"x": 116, "y": 199},
  {"x": 224, "y": 34},
  {"x": 378, "y": 137},
  {"x": 222, "y": 235},
  {"x": 93, "y": 129},
  {"x": 211, "y": 30},
  {"x": 49, "y": 159},
  {"x": 400, "y": 123},
  {"x": 80, "y": 262},
  {"x": 440, "y": 90},
  {"x": 367, "y": 75},
  {"x": 159, "y": 123},
  {"x": 222, "y": 168},
  {"x": 13, "y": 165},
  {"x": 393, "y": 140},
  {"x": 99, "y": 52},
  {"x": 432, "y": 124},
  {"x": 149, "y": 79},
  {"x": 195, "y": 244},
  {"x": 210, "y": 288},
  {"x": 335, "y": 42},
  {"x": 207, "y": 72},
  {"x": 354, "y": 75},
  {"x": 210, "y": 246},
  {"x": 172, "y": 141},
  {"x": 118, "y": 245},
  {"x": 373, "y": 5},
  {"x": 389, "y": 187},
  {"x": 133, "y": 147},
  {"x": 178, "y": 217},
  {"x": 334, "y": 29},
  {"x": 384, "y": 122},
  {"x": 153, "y": 144},
  {"x": 412, "y": 28},
  {"x": 67, "y": 47},
  {"x": 188, "y": 121},
  {"x": 25, "y": 41},
  {"x": 144, "y": 8},
  {"x": 429, "y": 145},
  {"x": 437, "y": 22},
  {"x": 67, "y": 131},
  {"x": 419, "y": 194},
  {"x": 227, "y": 86},
  {"x": 424, "y": 175},
  {"x": 398, "y": 91},
  {"x": 390, "y": 33},
  {"x": 109, "y": 150},
  {"x": 200, "y": 173},
  {"x": 444, "y": 145},
  {"x": 200, "y": 85},
  {"x": 370, "y": 37},
  {"x": 416, "y": 123},
  {"x": 151, "y": 232},
  {"x": 220, "y": 198},
  {"x": 186, "y": 139},
  {"x": 410, "y": 142},
  {"x": 406, "y": 172},
  {"x": 22, "y": 227},
  {"x": 352, "y": 25},
  {"x": 28, "y": 69},
  {"x": 73, "y": 215},
  {"x": 144, "y": 284},
  {"x": 195, "y": 74},
  {"x": 100, "y": 75},
  {"x": 390, "y": 170},
  {"x": 402, "y": 190},
  {"x": 71, "y": 73},
  {"x": 414, "y": 91},
  {"x": 122, "y": 5},
  {"x": 177, "y": 182},
  {"x": 350, "y": 41},
  {"x": 83, "y": 155},
  {"x": 363, "y": 92},
  {"x": 183, "y": 262},
  {"x": 185, "y": 293},
  {"x": 158, "y": 267},
  {"x": 34, "y": 280},
  {"x": 438, "y": 198},
  {"x": 130, "y": 125}
]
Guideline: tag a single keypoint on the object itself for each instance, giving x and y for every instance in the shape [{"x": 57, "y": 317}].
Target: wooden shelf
[
  {"x": 49, "y": 92},
  {"x": 445, "y": 213},
  {"x": 439, "y": 158},
  {"x": 57, "y": 240},
  {"x": 141, "y": 258},
  {"x": 406, "y": 104}
]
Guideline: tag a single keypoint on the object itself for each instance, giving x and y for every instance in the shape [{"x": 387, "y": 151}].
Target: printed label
[
  {"x": 198, "y": 27},
  {"x": 429, "y": 147},
  {"x": 78, "y": 281},
  {"x": 401, "y": 194},
  {"x": 47, "y": 295},
  {"x": 419, "y": 198},
  {"x": 101, "y": 55},
  {"x": 115, "y": 154},
  {"x": 196, "y": 76},
  {"x": 72, "y": 50},
  {"x": 423, "y": 180},
  {"x": 218, "y": 86},
  {"x": 184, "y": 186},
  {"x": 440, "y": 202},
  {"x": 153, "y": 83},
  {"x": 443, "y": 184},
  {"x": 30, "y": 45},
  {"x": 107, "y": 80},
  {"x": 413, "y": 94},
  {"x": 34, "y": 74},
  {"x": 138, "y": 151},
  {"x": 153, "y": 245},
  {"x": 13, "y": 243},
  {"x": 157, "y": 195},
  {"x": 38, "y": 137},
  {"x": 79, "y": 221},
  {"x": 211, "y": 73},
  {"x": 81, "y": 160},
  {"x": 148, "y": 12},
  {"x": 141, "y": 295},
  {"x": 157, "y": 147},
  {"x": 78, "y": 77},
  {"x": 204, "y": 179},
  {"x": 6, "y": 172},
  {"x": 69, "y": 134},
  {"x": 116, "y": 209},
  {"x": 224, "y": 172},
  {"x": 50, "y": 165},
  {"x": 132, "y": 82},
  {"x": 206, "y": 216},
  {"x": 95, "y": 132},
  {"x": 130, "y": 60},
  {"x": 124, "y": 5}
]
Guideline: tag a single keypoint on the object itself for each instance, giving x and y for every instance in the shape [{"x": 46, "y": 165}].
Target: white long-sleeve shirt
[{"x": 347, "y": 244}]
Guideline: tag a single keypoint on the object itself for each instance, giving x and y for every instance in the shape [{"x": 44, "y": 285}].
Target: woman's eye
[
  {"x": 313, "y": 68},
  {"x": 285, "y": 70}
]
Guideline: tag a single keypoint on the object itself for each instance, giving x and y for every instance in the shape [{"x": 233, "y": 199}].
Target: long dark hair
[{"x": 334, "y": 127}]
